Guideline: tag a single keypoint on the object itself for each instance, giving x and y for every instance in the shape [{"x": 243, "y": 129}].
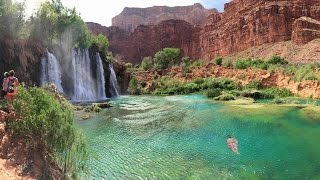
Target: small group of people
[{"x": 9, "y": 86}]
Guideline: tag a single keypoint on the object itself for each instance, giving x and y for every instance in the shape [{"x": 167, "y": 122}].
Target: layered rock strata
[
  {"x": 130, "y": 18},
  {"x": 248, "y": 23},
  {"x": 147, "y": 40}
]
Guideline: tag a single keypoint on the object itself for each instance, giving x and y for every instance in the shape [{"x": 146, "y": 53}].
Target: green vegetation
[
  {"x": 166, "y": 58},
  {"x": 12, "y": 18},
  {"x": 56, "y": 24},
  {"x": 299, "y": 72},
  {"x": 304, "y": 71},
  {"x": 218, "y": 61},
  {"x": 147, "y": 63},
  {"x": 134, "y": 86},
  {"x": 48, "y": 125},
  {"x": 169, "y": 86},
  {"x": 53, "y": 24},
  {"x": 258, "y": 63},
  {"x": 198, "y": 63},
  {"x": 229, "y": 63}
]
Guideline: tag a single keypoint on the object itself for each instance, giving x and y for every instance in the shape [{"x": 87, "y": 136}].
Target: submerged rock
[{"x": 85, "y": 116}]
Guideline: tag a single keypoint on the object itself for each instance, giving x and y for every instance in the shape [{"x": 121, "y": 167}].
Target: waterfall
[
  {"x": 113, "y": 84},
  {"x": 51, "y": 71},
  {"x": 81, "y": 77},
  {"x": 86, "y": 86},
  {"x": 100, "y": 77}
]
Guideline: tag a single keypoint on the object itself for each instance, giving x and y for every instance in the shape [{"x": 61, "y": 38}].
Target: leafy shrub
[
  {"x": 191, "y": 88},
  {"x": 254, "y": 85},
  {"x": 229, "y": 63},
  {"x": 220, "y": 83},
  {"x": 134, "y": 86},
  {"x": 166, "y": 58},
  {"x": 218, "y": 61},
  {"x": 147, "y": 63},
  {"x": 255, "y": 94},
  {"x": 212, "y": 93},
  {"x": 276, "y": 92},
  {"x": 243, "y": 64},
  {"x": 186, "y": 62},
  {"x": 277, "y": 60},
  {"x": 49, "y": 126},
  {"x": 198, "y": 81},
  {"x": 198, "y": 63},
  {"x": 101, "y": 42}
]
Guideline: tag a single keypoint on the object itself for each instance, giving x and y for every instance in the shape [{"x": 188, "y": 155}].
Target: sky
[{"x": 102, "y": 11}]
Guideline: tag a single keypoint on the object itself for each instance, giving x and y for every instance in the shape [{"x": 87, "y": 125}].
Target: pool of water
[{"x": 184, "y": 137}]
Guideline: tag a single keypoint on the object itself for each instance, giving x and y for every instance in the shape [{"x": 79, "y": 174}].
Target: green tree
[
  {"x": 166, "y": 58},
  {"x": 147, "y": 63},
  {"x": 55, "y": 24},
  {"x": 100, "y": 41},
  {"x": 11, "y": 18}
]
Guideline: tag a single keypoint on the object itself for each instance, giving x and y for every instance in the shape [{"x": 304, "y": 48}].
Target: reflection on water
[{"x": 184, "y": 137}]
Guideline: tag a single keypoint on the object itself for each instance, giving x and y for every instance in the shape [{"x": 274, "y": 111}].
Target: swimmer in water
[{"x": 232, "y": 144}]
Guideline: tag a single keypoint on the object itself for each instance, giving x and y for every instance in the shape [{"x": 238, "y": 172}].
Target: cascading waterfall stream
[
  {"x": 86, "y": 81},
  {"x": 113, "y": 82},
  {"x": 86, "y": 86},
  {"x": 100, "y": 77},
  {"x": 51, "y": 71}
]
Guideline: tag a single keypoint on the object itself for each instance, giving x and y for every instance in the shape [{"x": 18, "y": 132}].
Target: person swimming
[{"x": 232, "y": 144}]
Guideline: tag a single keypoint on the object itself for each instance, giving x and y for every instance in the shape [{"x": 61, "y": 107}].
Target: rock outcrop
[
  {"x": 248, "y": 23},
  {"x": 147, "y": 40},
  {"x": 23, "y": 57},
  {"x": 130, "y": 18},
  {"x": 305, "y": 29}
]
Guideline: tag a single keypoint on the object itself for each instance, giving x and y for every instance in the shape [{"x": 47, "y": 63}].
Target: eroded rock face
[
  {"x": 305, "y": 29},
  {"x": 247, "y": 23},
  {"x": 130, "y": 18},
  {"x": 244, "y": 24},
  {"x": 147, "y": 40},
  {"x": 23, "y": 57}
]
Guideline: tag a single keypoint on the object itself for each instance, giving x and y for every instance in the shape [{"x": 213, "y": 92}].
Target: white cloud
[{"x": 102, "y": 11}]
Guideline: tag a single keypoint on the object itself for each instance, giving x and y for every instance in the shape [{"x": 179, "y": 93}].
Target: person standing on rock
[
  {"x": 11, "y": 86},
  {"x": 4, "y": 88}
]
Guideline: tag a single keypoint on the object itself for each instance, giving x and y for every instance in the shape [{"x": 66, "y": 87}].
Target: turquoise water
[{"x": 184, "y": 137}]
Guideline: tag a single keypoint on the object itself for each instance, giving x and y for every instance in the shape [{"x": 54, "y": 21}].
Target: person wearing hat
[
  {"x": 4, "y": 88},
  {"x": 11, "y": 85}
]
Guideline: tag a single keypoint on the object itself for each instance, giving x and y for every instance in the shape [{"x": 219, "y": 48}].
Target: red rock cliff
[
  {"x": 131, "y": 18},
  {"x": 23, "y": 57},
  {"x": 248, "y": 23},
  {"x": 244, "y": 24},
  {"x": 147, "y": 40}
]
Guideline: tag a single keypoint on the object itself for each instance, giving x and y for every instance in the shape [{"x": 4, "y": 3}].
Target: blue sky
[
  {"x": 102, "y": 11},
  {"x": 218, "y": 4}
]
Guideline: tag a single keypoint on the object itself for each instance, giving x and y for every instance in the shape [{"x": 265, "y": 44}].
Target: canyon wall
[
  {"x": 130, "y": 18},
  {"x": 245, "y": 24},
  {"x": 147, "y": 40},
  {"x": 249, "y": 23}
]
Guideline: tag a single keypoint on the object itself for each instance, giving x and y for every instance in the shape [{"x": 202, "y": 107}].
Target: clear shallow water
[{"x": 184, "y": 137}]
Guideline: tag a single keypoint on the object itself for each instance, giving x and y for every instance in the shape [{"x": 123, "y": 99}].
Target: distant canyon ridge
[{"x": 246, "y": 28}]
